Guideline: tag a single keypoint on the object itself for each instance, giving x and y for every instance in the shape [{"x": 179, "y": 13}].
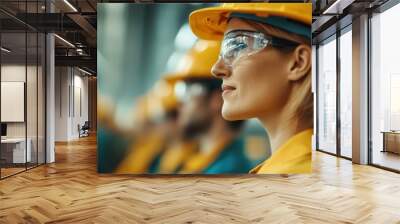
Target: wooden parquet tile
[{"x": 70, "y": 191}]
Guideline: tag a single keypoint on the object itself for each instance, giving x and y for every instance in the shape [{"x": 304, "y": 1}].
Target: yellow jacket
[
  {"x": 294, "y": 156},
  {"x": 227, "y": 156},
  {"x": 142, "y": 154},
  {"x": 175, "y": 156}
]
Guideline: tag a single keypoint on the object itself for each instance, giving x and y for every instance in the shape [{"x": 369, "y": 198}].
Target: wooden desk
[
  {"x": 391, "y": 141},
  {"x": 13, "y": 150}
]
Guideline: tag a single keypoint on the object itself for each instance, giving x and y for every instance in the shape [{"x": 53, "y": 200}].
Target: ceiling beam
[{"x": 84, "y": 61}]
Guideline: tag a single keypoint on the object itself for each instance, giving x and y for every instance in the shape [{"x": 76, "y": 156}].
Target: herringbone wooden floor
[{"x": 70, "y": 191}]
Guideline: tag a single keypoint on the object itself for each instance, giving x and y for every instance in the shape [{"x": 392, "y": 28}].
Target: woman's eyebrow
[{"x": 234, "y": 31}]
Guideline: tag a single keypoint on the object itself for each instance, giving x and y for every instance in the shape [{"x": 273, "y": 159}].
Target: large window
[
  {"x": 327, "y": 96},
  {"x": 385, "y": 89},
  {"x": 334, "y": 73},
  {"x": 345, "y": 94}
]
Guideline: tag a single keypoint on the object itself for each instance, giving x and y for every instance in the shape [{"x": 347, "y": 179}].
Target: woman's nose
[{"x": 220, "y": 70}]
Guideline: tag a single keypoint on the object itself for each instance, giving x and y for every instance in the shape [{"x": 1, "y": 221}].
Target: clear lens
[
  {"x": 241, "y": 43},
  {"x": 186, "y": 92},
  {"x": 180, "y": 90}
]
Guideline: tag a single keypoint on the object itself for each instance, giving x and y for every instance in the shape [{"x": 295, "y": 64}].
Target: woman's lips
[{"x": 227, "y": 89}]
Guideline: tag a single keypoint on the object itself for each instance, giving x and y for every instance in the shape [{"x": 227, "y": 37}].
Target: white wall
[
  {"x": 80, "y": 109},
  {"x": 61, "y": 103},
  {"x": 12, "y": 73},
  {"x": 16, "y": 73},
  {"x": 71, "y": 93}
]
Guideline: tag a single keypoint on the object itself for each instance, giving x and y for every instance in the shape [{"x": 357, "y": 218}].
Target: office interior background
[
  {"x": 357, "y": 84},
  {"x": 49, "y": 90},
  {"x": 38, "y": 107}
]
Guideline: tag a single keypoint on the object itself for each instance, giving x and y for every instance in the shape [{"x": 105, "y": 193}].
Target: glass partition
[
  {"x": 14, "y": 153},
  {"x": 23, "y": 91}
]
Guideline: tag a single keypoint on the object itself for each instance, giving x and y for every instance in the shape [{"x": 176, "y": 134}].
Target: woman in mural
[{"x": 265, "y": 66}]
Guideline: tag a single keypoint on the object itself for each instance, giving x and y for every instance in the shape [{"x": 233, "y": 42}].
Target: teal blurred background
[{"x": 135, "y": 43}]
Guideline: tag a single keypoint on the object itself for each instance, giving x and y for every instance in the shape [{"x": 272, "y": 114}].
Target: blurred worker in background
[
  {"x": 179, "y": 146},
  {"x": 157, "y": 114},
  {"x": 220, "y": 146},
  {"x": 265, "y": 66}
]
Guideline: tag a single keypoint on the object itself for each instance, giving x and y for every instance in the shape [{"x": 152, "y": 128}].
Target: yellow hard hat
[
  {"x": 165, "y": 95},
  {"x": 197, "y": 63},
  {"x": 210, "y": 23},
  {"x": 158, "y": 101}
]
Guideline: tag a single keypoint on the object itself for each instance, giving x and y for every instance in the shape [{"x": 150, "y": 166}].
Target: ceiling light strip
[
  {"x": 5, "y": 50},
  {"x": 70, "y": 5},
  {"x": 64, "y": 40},
  {"x": 84, "y": 71}
]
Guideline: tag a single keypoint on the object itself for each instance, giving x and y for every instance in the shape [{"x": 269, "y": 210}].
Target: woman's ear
[{"x": 300, "y": 62}]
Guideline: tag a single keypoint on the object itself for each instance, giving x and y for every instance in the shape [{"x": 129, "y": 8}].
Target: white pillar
[
  {"x": 360, "y": 90},
  {"x": 50, "y": 93},
  {"x": 50, "y": 99}
]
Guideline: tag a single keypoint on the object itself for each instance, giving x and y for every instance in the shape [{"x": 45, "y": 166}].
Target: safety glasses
[
  {"x": 185, "y": 92},
  {"x": 240, "y": 43}
]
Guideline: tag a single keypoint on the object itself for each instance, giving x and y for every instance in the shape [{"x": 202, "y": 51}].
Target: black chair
[{"x": 84, "y": 130}]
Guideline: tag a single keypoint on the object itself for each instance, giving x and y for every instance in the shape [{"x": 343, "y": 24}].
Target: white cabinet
[{"x": 19, "y": 155}]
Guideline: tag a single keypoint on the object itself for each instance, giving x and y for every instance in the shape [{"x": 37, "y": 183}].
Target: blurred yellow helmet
[
  {"x": 164, "y": 93},
  {"x": 158, "y": 101},
  {"x": 197, "y": 63},
  {"x": 210, "y": 23}
]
